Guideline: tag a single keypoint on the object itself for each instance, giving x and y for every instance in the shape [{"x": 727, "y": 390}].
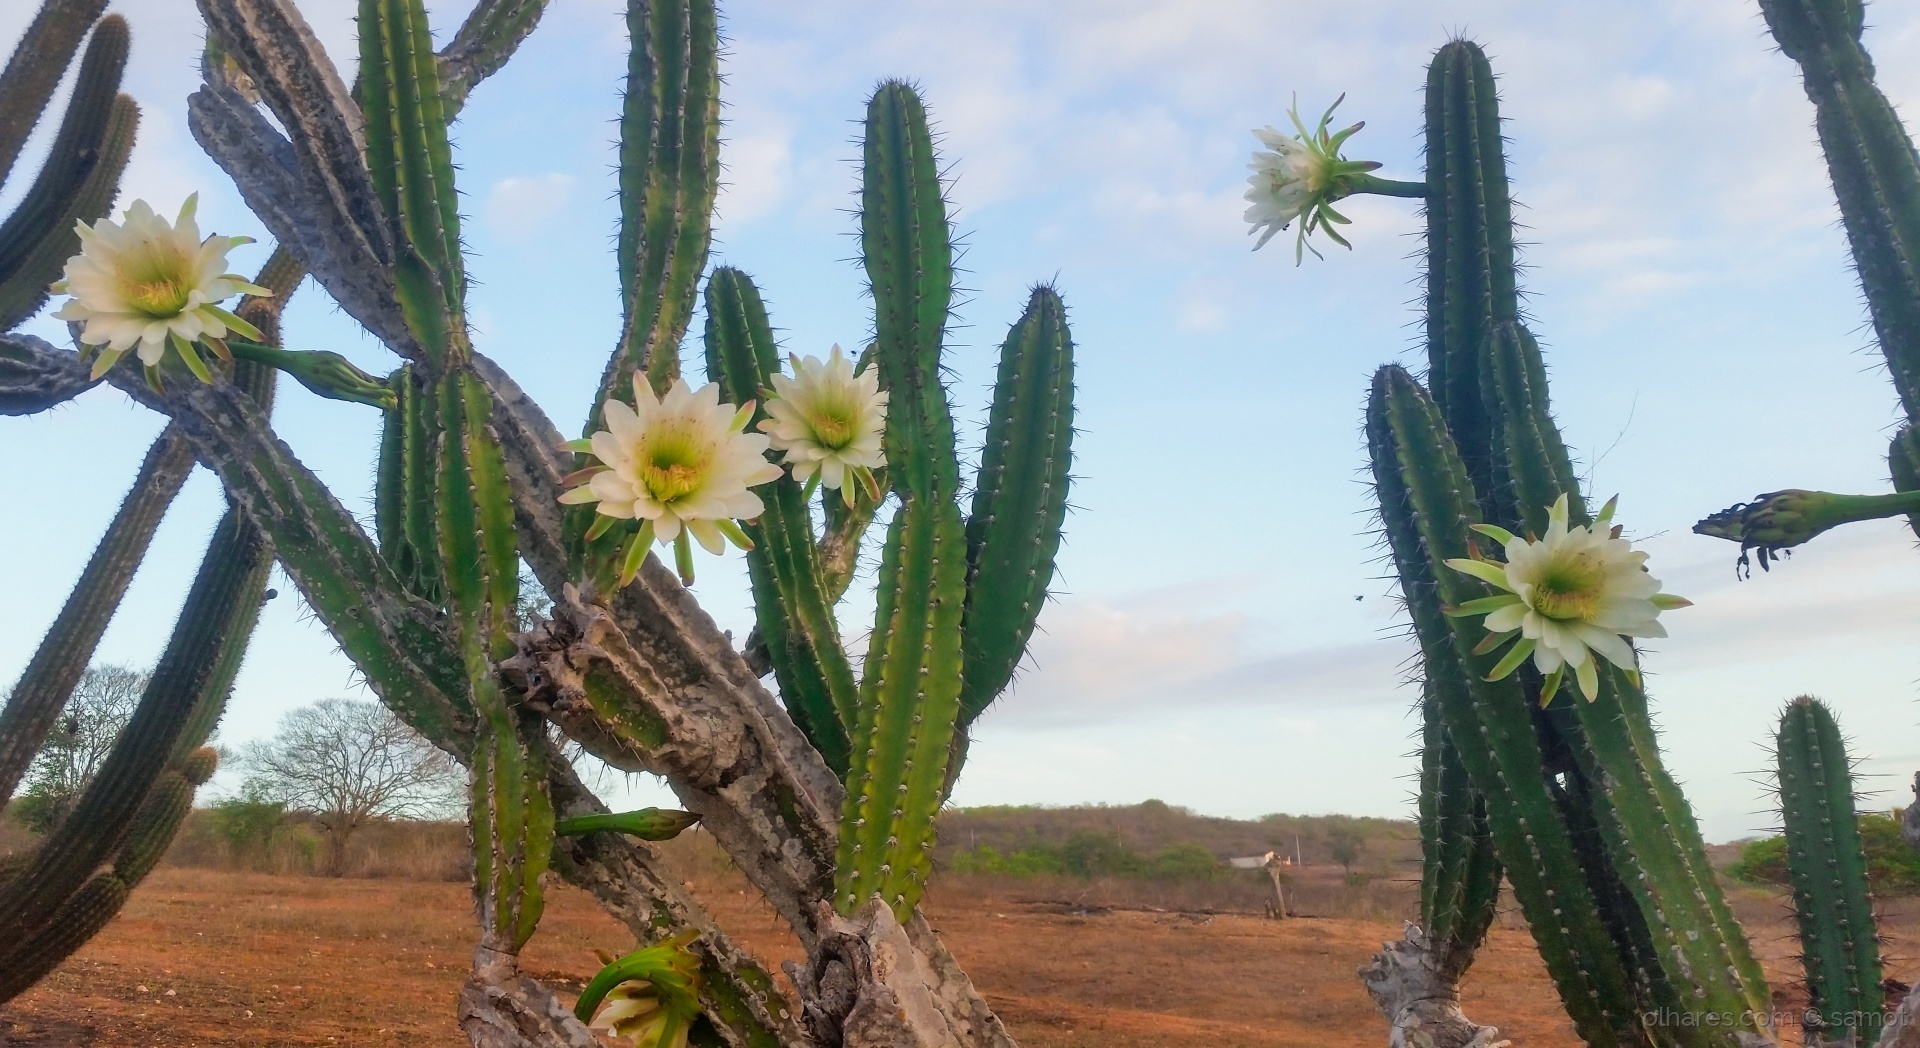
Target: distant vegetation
[
  {"x": 1893, "y": 868},
  {"x": 1160, "y": 841}
]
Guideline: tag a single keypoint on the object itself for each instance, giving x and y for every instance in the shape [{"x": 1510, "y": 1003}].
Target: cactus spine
[{"x": 1827, "y": 866}]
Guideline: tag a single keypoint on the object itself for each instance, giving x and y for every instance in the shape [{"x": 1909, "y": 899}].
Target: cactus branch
[{"x": 34, "y": 71}]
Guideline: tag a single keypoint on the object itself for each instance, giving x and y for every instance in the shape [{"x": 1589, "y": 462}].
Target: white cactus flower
[
  {"x": 680, "y": 462},
  {"x": 1284, "y": 179},
  {"x": 147, "y": 283},
  {"x": 828, "y": 420},
  {"x": 1300, "y": 176},
  {"x": 1572, "y": 596}
]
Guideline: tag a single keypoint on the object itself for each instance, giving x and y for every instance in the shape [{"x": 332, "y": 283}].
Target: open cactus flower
[
  {"x": 682, "y": 464},
  {"x": 1299, "y": 176},
  {"x": 1571, "y": 597},
  {"x": 144, "y": 284},
  {"x": 829, "y": 420}
]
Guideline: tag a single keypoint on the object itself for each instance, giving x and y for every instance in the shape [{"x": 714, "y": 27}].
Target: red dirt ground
[{"x": 234, "y": 959}]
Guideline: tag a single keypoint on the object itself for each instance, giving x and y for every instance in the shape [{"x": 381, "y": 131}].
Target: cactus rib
[{"x": 34, "y": 71}]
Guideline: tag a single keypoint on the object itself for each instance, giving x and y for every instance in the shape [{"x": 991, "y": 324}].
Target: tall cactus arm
[
  {"x": 908, "y": 248},
  {"x": 219, "y": 614},
  {"x": 78, "y": 180},
  {"x": 1470, "y": 254},
  {"x": 34, "y": 71},
  {"x": 492, "y": 32},
  {"x": 32, "y": 261},
  {"x": 410, "y": 163},
  {"x": 35, "y": 376},
  {"x": 1019, "y": 499},
  {"x": 793, "y": 609},
  {"x": 1827, "y": 866},
  {"x": 1460, "y": 878},
  {"x": 1875, "y": 171},
  {"x": 41, "y": 693},
  {"x": 1648, "y": 824},
  {"x": 669, "y": 176},
  {"x": 1426, "y": 504}
]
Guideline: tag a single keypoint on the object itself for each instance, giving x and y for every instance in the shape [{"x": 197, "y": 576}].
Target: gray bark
[{"x": 1421, "y": 1004}]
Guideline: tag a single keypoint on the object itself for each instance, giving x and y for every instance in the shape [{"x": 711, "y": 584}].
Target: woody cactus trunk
[{"x": 825, "y": 795}]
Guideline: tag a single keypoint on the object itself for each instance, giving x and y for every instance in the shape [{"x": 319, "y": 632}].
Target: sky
[{"x": 1221, "y": 636}]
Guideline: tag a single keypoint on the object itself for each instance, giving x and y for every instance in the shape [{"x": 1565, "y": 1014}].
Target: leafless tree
[
  {"x": 347, "y": 762},
  {"x": 101, "y": 704}
]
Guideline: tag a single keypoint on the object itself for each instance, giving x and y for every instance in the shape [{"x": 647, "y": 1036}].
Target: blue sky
[{"x": 1687, "y": 277}]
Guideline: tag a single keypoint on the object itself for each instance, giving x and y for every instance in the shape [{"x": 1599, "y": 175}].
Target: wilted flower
[
  {"x": 1300, "y": 176},
  {"x": 1571, "y": 595},
  {"x": 650, "y": 996},
  {"x": 680, "y": 463},
  {"x": 829, "y": 421},
  {"x": 1777, "y": 521},
  {"x": 149, "y": 283}
]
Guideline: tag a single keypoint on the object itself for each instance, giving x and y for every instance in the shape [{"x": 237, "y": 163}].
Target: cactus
[
  {"x": 957, "y": 598},
  {"x": 1827, "y": 867},
  {"x": 358, "y": 185}
]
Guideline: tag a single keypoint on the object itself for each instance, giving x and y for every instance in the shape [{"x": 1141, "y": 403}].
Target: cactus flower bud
[
  {"x": 323, "y": 372},
  {"x": 829, "y": 421},
  {"x": 1300, "y": 176},
  {"x": 1780, "y": 520},
  {"x": 147, "y": 283},
  {"x": 650, "y": 996},
  {"x": 1571, "y": 598}
]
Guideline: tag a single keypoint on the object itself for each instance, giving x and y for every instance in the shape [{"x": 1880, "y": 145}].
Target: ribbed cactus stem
[
  {"x": 1426, "y": 505},
  {"x": 34, "y": 71},
  {"x": 1460, "y": 878},
  {"x": 36, "y": 700},
  {"x": 1827, "y": 866},
  {"x": 1873, "y": 167},
  {"x": 669, "y": 177},
  {"x": 1471, "y": 279},
  {"x": 194, "y": 670},
  {"x": 94, "y": 139},
  {"x": 411, "y": 163},
  {"x": 1903, "y": 462},
  {"x": 793, "y": 608},
  {"x": 1019, "y": 499}
]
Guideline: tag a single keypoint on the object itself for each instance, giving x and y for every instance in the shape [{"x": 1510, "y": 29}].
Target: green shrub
[{"x": 1893, "y": 868}]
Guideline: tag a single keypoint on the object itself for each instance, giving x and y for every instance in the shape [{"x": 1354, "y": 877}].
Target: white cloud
[{"x": 517, "y": 207}]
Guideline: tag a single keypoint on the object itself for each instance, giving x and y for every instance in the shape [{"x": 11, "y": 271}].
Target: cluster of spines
[
  {"x": 1827, "y": 867},
  {"x": 81, "y": 174}
]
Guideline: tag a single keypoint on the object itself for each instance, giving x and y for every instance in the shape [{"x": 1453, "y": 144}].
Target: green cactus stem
[
  {"x": 1019, "y": 499},
  {"x": 1426, "y": 505},
  {"x": 669, "y": 177},
  {"x": 1903, "y": 461},
  {"x": 411, "y": 164},
  {"x": 793, "y": 609},
  {"x": 1775, "y": 522},
  {"x": 78, "y": 181},
  {"x": 1460, "y": 878},
  {"x": 34, "y": 71},
  {"x": 648, "y": 824},
  {"x": 36, "y": 700},
  {"x": 1873, "y": 167},
  {"x": 1827, "y": 866}
]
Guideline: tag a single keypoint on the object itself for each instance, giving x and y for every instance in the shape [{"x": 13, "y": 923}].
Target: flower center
[
  {"x": 159, "y": 297},
  {"x": 673, "y": 464},
  {"x": 1570, "y": 587},
  {"x": 832, "y": 425}
]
